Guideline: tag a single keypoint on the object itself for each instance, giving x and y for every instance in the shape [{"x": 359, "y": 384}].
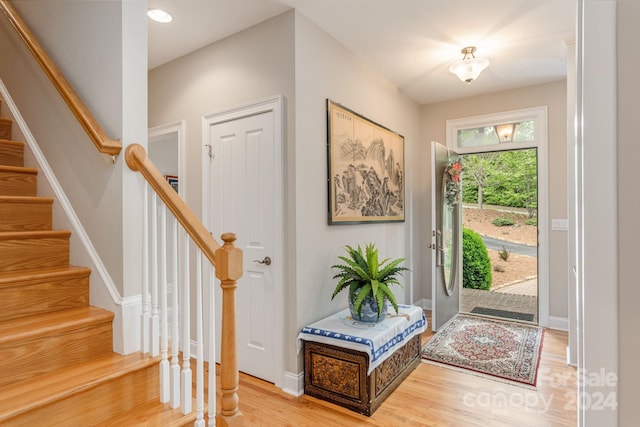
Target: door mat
[
  {"x": 503, "y": 313},
  {"x": 502, "y": 350}
]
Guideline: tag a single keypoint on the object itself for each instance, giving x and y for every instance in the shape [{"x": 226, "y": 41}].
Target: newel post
[{"x": 228, "y": 271}]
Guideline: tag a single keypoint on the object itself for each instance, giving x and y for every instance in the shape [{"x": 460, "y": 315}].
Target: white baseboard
[
  {"x": 558, "y": 323},
  {"x": 130, "y": 314},
  {"x": 294, "y": 383},
  {"x": 424, "y": 303}
]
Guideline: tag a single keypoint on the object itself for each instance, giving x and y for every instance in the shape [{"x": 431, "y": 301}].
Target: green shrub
[
  {"x": 532, "y": 221},
  {"x": 501, "y": 222},
  {"x": 476, "y": 266}
]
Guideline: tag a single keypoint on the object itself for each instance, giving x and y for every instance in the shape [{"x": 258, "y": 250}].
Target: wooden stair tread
[
  {"x": 48, "y": 388},
  {"x": 19, "y": 169},
  {"x": 10, "y": 278},
  {"x": 153, "y": 414},
  {"x": 32, "y": 327},
  {"x": 23, "y": 235},
  {"x": 4, "y": 141},
  {"x": 26, "y": 199}
]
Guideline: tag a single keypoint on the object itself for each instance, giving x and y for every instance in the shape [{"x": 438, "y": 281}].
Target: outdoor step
[
  {"x": 34, "y": 345},
  {"x": 87, "y": 394},
  {"x": 11, "y": 152},
  {"x": 18, "y": 181},
  {"x": 33, "y": 249},
  {"x": 5, "y": 128},
  {"x": 32, "y": 292},
  {"x": 19, "y": 213}
]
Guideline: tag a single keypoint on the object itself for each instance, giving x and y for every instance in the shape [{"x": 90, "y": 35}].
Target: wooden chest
[{"x": 339, "y": 375}]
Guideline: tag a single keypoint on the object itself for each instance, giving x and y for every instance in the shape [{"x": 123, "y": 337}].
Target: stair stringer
[{"x": 103, "y": 291}]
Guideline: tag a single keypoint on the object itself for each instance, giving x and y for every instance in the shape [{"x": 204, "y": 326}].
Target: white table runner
[{"x": 378, "y": 340}]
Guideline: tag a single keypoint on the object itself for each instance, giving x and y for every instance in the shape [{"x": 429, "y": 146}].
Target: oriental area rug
[{"x": 506, "y": 351}]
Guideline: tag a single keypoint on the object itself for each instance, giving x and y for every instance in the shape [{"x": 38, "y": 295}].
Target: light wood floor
[{"x": 433, "y": 396}]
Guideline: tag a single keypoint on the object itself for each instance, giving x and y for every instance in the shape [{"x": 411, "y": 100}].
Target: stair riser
[
  {"x": 5, "y": 128},
  {"x": 45, "y": 354},
  {"x": 18, "y": 184},
  {"x": 21, "y": 254},
  {"x": 25, "y": 216},
  {"x": 11, "y": 153},
  {"x": 27, "y": 299},
  {"x": 97, "y": 405}
]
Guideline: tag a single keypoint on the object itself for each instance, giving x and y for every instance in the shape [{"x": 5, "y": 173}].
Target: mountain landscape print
[{"x": 366, "y": 169}]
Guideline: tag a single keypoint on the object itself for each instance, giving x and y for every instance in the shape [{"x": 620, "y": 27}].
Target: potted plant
[{"x": 368, "y": 281}]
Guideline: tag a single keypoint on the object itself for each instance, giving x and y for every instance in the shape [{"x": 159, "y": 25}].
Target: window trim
[{"x": 537, "y": 114}]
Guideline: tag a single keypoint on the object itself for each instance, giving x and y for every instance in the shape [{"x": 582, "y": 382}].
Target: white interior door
[
  {"x": 446, "y": 243},
  {"x": 244, "y": 173}
]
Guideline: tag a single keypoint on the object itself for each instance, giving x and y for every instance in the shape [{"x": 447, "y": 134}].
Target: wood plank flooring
[{"x": 433, "y": 396}]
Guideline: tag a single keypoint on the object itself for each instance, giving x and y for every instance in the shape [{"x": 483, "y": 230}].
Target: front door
[
  {"x": 244, "y": 179},
  {"x": 446, "y": 239}
]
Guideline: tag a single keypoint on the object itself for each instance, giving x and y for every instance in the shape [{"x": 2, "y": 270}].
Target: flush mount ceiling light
[
  {"x": 160, "y": 15},
  {"x": 469, "y": 67}
]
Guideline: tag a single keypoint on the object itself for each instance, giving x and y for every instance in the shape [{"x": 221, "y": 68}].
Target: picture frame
[
  {"x": 365, "y": 167},
  {"x": 173, "y": 181}
]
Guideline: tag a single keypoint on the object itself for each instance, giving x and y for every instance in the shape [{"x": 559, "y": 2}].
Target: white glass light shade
[
  {"x": 469, "y": 67},
  {"x": 468, "y": 70},
  {"x": 160, "y": 15}
]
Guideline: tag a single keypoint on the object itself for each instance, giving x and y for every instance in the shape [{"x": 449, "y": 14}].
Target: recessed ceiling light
[{"x": 159, "y": 15}]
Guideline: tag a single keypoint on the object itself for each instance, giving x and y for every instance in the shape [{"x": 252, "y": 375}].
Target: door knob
[{"x": 265, "y": 261}]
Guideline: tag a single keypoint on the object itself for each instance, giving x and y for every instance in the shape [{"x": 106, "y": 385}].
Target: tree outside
[{"x": 507, "y": 178}]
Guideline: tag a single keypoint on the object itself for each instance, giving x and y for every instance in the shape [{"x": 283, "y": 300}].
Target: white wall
[
  {"x": 252, "y": 65},
  {"x": 164, "y": 154},
  {"x": 598, "y": 260},
  {"x": 628, "y": 208},
  {"x": 325, "y": 69}
]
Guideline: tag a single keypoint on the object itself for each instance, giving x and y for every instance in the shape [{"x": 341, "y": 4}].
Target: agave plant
[{"x": 364, "y": 276}]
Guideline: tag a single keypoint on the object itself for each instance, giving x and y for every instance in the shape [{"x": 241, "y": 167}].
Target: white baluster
[
  {"x": 175, "y": 362},
  {"x": 200, "y": 346},
  {"x": 212, "y": 346},
  {"x": 186, "y": 378},
  {"x": 146, "y": 297},
  {"x": 164, "y": 329},
  {"x": 155, "y": 320}
]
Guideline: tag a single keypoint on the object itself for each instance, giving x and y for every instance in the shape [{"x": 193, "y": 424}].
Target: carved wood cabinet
[{"x": 339, "y": 375}]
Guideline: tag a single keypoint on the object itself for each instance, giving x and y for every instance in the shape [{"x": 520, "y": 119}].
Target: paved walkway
[
  {"x": 520, "y": 297},
  {"x": 527, "y": 287}
]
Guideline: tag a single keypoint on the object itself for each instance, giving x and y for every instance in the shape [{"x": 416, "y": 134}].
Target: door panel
[
  {"x": 242, "y": 183},
  {"x": 446, "y": 243}
]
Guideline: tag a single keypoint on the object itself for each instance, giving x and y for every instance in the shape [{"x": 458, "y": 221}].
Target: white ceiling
[{"x": 411, "y": 42}]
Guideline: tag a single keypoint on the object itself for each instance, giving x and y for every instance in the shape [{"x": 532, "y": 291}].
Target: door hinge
[{"x": 210, "y": 148}]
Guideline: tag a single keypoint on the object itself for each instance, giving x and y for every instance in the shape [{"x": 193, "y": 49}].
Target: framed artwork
[
  {"x": 365, "y": 169},
  {"x": 173, "y": 181}
]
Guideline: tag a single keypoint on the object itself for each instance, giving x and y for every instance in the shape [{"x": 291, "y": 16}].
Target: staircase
[{"x": 58, "y": 366}]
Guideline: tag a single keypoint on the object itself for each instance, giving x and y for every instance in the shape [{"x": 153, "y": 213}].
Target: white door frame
[
  {"x": 275, "y": 105},
  {"x": 158, "y": 132},
  {"x": 539, "y": 115}
]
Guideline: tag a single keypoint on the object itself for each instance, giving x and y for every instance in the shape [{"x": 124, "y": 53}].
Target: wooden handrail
[
  {"x": 137, "y": 160},
  {"x": 103, "y": 143}
]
